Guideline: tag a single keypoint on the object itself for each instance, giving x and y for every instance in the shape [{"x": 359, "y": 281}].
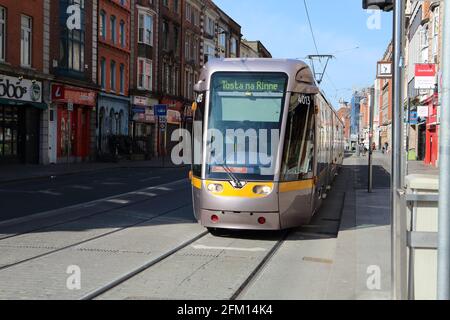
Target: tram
[{"x": 267, "y": 147}]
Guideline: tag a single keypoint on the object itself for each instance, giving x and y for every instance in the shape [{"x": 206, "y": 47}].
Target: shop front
[
  {"x": 74, "y": 109},
  {"x": 143, "y": 126},
  {"x": 432, "y": 131},
  {"x": 21, "y": 109},
  {"x": 112, "y": 120}
]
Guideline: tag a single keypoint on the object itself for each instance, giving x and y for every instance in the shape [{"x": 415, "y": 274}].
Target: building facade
[
  {"x": 114, "y": 47},
  {"x": 254, "y": 49},
  {"x": 24, "y": 81},
  {"x": 74, "y": 87}
]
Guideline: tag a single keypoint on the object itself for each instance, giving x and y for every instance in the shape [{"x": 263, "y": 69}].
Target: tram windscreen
[{"x": 245, "y": 116}]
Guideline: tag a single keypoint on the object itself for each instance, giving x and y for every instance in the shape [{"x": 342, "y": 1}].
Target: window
[
  {"x": 145, "y": 29},
  {"x": 176, "y": 40},
  {"x": 113, "y": 29},
  {"x": 165, "y": 32},
  {"x": 166, "y": 3},
  {"x": 233, "y": 46},
  {"x": 113, "y": 76},
  {"x": 188, "y": 12},
  {"x": 103, "y": 72},
  {"x": 25, "y": 41},
  {"x": 122, "y": 34},
  {"x": 103, "y": 24},
  {"x": 145, "y": 71},
  {"x": 209, "y": 26},
  {"x": 2, "y": 34},
  {"x": 72, "y": 43},
  {"x": 122, "y": 78},
  {"x": 176, "y": 6},
  {"x": 299, "y": 140},
  {"x": 436, "y": 31},
  {"x": 222, "y": 38},
  {"x": 123, "y": 2},
  {"x": 187, "y": 44}
]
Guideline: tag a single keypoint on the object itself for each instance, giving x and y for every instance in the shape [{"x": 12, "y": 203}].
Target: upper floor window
[
  {"x": 165, "y": 34},
  {"x": 233, "y": 47},
  {"x": 145, "y": 71},
  {"x": 113, "y": 29},
  {"x": 209, "y": 26},
  {"x": 176, "y": 6},
  {"x": 222, "y": 38},
  {"x": 145, "y": 28},
  {"x": 103, "y": 24},
  {"x": 25, "y": 40},
  {"x": 103, "y": 72},
  {"x": 122, "y": 78},
  {"x": 113, "y": 76},
  {"x": 122, "y": 34},
  {"x": 166, "y": 3},
  {"x": 2, "y": 34},
  {"x": 188, "y": 12},
  {"x": 123, "y": 2},
  {"x": 72, "y": 42}
]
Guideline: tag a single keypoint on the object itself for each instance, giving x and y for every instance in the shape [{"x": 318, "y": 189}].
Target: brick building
[
  {"x": 73, "y": 56},
  {"x": 113, "y": 71},
  {"x": 344, "y": 113},
  {"x": 254, "y": 49},
  {"x": 24, "y": 80}
]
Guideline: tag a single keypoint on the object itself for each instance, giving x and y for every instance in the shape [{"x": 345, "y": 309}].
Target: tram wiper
[{"x": 230, "y": 173}]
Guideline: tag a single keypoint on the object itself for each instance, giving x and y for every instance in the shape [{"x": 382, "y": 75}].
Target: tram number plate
[{"x": 304, "y": 99}]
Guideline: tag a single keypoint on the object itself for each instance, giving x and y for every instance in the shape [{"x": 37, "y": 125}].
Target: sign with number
[{"x": 70, "y": 106}]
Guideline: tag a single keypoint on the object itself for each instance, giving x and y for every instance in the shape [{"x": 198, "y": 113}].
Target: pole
[
  {"x": 398, "y": 218},
  {"x": 443, "y": 282},
  {"x": 371, "y": 115}
]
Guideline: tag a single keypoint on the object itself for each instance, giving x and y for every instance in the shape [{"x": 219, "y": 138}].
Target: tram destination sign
[
  {"x": 251, "y": 85},
  {"x": 20, "y": 89}
]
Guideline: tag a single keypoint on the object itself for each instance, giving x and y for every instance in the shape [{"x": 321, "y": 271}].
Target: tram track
[
  {"x": 129, "y": 275},
  {"x": 90, "y": 239},
  {"x": 96, "y": 214},
  {"x": 253, "y": 275}
]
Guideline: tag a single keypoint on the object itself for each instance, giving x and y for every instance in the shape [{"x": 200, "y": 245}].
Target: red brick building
[
  {"x": 114, "y": 47},
  {"x": 23, "y": 79},
  {"x": 344, "y": 113}
]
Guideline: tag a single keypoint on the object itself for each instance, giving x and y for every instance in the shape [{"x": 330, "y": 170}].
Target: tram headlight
[
  {"x": 262, "y": 190},
  {"x": 215, "y": 187}
]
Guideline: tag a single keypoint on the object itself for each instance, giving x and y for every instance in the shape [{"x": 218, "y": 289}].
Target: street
[{"x": 136, "y": 238}]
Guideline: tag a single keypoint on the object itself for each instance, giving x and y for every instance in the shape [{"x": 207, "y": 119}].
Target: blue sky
[{"x": 339, "y": 27}]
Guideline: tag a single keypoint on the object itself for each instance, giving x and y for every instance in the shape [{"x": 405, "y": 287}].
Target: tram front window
[{"x": 244, "y": 126}]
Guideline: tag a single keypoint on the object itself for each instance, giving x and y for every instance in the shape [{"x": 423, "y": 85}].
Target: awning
[{"x": 10, "y": 102}]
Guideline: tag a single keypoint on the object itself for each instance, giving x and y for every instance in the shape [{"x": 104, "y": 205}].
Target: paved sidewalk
[
  {"x": 331, "y": 261},
  {"x": 13, "y": 173}
]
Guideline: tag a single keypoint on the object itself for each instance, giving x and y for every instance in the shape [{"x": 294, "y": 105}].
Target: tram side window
[
  {"x": 197, "y": 137},
  {"x": 299, "y": 140}
]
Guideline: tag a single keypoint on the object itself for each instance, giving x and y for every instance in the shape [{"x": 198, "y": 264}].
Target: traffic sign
[
  {"x": 161, "y": 110},
  {"x": 70, "y": 106}
]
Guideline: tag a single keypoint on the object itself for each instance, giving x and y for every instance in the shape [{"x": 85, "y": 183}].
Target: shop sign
[
  {"x": 425, "y": 76},
  {"x": 422, "y": 112},
  {"x": 20, "y": 89},
  {"x": 413, "y": 118},
  {"x": 173, "y": 117},
  {"x": 65, "y": 94},
  {"x": 161, "y": 110}
]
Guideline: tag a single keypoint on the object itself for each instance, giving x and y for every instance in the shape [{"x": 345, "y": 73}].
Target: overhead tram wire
[{"x": 315, "y": 43}]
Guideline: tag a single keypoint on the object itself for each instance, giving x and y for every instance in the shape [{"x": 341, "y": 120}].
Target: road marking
[
  {"x": 49, "y": 192},
  {"x": 118, "y": 201},
  {"x": 60, "y": 211},
  {"x": 150, "y": 179},
  {"x": 201, "y": 247},
  {"x": 318, "y": 260}
]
